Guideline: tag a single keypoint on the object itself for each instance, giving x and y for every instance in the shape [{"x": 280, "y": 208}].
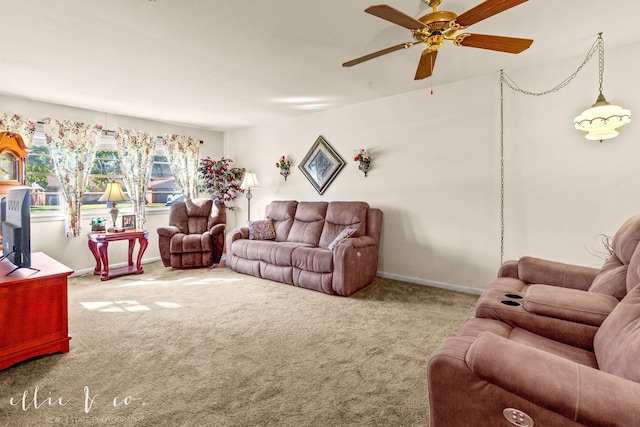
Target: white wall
[
  {"x": 436, "y": 170},
  {"x": 47, "y": 234},
  {"x": 564, "y": 190}
]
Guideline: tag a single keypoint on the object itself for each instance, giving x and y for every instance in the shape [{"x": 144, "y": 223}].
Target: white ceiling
[{"x": 224, "y": 64}]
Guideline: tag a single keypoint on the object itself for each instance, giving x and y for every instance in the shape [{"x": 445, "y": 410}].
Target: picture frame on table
[{"x": 128, "y": 222}]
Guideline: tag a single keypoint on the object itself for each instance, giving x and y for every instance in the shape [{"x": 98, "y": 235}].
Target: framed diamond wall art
[{"x": 321, "y": 165}]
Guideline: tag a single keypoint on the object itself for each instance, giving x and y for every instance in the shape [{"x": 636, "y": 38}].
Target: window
[{"x": 46, "y": 195}]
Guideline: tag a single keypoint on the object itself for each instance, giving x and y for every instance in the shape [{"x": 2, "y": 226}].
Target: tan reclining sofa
[{"x": 331, "y": 247}]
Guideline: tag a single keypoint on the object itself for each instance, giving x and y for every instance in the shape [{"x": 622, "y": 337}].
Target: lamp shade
[
  {"x": 602, "y": 120},
  {"x": 113, "y": 193},
  {"x": 249, "y": 181}
]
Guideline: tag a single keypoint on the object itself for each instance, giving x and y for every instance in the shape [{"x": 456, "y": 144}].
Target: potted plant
[{"x": 219, "y": 179}]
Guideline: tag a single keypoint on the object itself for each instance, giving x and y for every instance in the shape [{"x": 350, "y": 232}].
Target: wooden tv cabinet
[{"x": 33, "y": 310}]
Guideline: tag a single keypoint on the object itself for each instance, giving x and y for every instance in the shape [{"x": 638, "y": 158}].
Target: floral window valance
[{"x": 17, "y": 124}]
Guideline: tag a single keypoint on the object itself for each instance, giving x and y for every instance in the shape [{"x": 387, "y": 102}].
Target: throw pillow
[
  {"x": 345, "y": 233},
  {"x": 261, "y": 230}
]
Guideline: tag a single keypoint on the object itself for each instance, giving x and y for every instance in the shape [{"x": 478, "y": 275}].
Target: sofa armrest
[
  {"x": 235, "y": 234},
  {"x": 238, "y": 233},
  {"x": 509, "y": 269},
  {"x": 355, "y": 264},
  {"x": 168, "y": 230},
  {"x": 217, "y": 229},
  {"x": 577, "y": 392},
  {"x": 589, "y": 308},
  {"x": 358, "y": 242},
  {"x": 537, "y": 270}
]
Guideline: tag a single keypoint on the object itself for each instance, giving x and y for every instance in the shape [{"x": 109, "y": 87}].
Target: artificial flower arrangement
[
  {"x": 219, "y": 179},
  {"x": 284, "y": 165},
  {"x": 364, "y": 159},
  {"x": 362, "y": 156}
]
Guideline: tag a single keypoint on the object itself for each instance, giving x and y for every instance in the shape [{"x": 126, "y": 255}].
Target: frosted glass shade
[{"x": 602, "y": 120}]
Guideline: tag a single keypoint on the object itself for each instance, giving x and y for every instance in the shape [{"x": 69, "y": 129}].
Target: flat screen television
[{"x": 16, "y": 227}]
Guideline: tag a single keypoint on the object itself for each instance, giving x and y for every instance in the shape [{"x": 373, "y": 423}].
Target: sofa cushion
[
  {"x": 612, "y": 278},
  {"x": 341, "y": 215},
  {"x": 623, "y": 252},
  {"x": 617, "y": 342},
  {"x": 261, "y": 230},
  {"x": 308, "y": 223},
  {"x": 197, "y": 211},
  {"x": 183, "y": 243},
  {"x": 281, "y": 212},
  {"x": 312, "y": 259},
  {"x": 626, "y": 239},
  {"x": 265, "y": 250},
  {"x": 191, "y": 216}
]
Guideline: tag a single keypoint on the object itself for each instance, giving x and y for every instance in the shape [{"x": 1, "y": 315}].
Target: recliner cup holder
[
  {"x": 510, "y": 303},
  {"x": 514, "y": 296}
]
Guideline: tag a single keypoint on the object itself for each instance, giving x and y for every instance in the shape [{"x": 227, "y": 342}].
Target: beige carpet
[{"x": 216, "y": 348}]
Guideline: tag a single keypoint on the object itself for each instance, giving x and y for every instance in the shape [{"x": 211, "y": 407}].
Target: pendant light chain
[
  {"x": 598, "y": 46},
  {"x": 601, "y": 60},
  {"x": 501, "y": 166}
]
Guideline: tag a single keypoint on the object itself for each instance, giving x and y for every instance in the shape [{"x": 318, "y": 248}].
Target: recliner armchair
[
  {"x": 552, "y": 344},
  {"x": 492, "y": 374},
  {"x": 564, "y": 302},
  {"x": 195, "y": 234}
]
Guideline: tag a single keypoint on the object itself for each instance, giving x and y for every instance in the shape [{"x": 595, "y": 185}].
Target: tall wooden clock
[{"x": 13, "y": 162}]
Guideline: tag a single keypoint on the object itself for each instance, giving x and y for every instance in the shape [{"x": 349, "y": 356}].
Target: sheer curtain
[
  {"x": 182, "y": 153},
  {"x": 17, "y": 124},
  {"x": 72, "y": 146},
  {"x": 135, "y": 149}
]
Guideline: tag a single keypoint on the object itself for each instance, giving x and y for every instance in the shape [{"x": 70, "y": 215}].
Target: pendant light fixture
[{"x": 603, "y": 119}]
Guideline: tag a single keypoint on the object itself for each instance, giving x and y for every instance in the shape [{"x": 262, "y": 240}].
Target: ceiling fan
[{"x": 432, "y": 29}]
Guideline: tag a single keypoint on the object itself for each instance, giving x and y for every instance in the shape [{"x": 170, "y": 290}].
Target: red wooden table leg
[
  {"x": 94, "y": 250},
  {"x": 104, "y": 256},
  {"x": 143, "y": 246}
]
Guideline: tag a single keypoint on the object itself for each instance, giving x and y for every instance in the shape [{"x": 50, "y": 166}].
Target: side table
[{"x": 99, "y": 243}]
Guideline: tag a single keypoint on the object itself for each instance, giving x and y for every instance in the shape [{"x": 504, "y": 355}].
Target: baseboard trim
[{"x": 434, "y": 283}]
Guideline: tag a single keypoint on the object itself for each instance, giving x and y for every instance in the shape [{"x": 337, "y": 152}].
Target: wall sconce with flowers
[
  {"x": 364, "y": 159},
  {"x": 284, "y": 165}
]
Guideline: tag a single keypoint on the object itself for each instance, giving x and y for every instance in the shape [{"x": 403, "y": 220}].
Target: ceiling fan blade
[
  {"x": 499, "y": 43},
  {"x": 426, "y": 64},
  {"x": 485, "y": 10},
  {"x": 393, "y": 15},
  {"x": 378, "y": 53}
]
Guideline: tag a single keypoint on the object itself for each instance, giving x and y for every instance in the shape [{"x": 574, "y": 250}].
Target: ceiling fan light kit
[{"x": 432, "y": 29}]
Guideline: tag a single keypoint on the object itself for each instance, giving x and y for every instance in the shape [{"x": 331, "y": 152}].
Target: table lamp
[{"x": 113, "y": 193}]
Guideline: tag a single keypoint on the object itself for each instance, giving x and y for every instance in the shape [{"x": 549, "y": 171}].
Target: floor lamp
[{"x": 249, "y": 181}]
